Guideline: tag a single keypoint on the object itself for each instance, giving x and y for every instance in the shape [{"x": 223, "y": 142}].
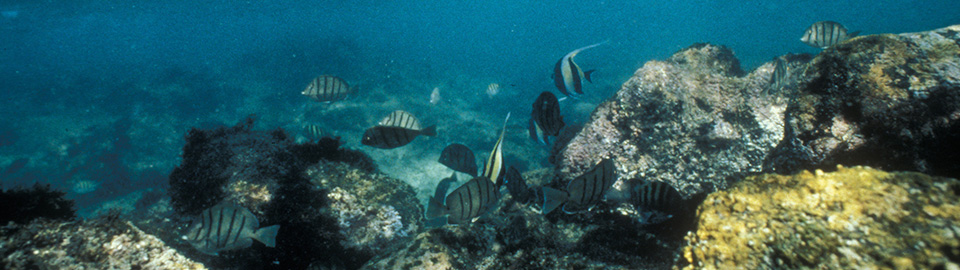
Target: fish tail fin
[
  {"x": 587, "y": 75},
  {"x": 267, "y": 235},
  {"x": 429, "y": 131},
  {"x": 435, "y": 209},
  {"x": 552, "y": 198},
  {"x": 853, "y": 34}
]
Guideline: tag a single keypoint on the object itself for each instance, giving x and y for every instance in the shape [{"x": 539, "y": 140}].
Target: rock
[
  {"x": 887, "y": 101},
  {"x": 333, "y": 207},
  {"x": 854, "y": 218},
  {"x": 692, "y": 121},
  {"x": 103, "y": 243}
]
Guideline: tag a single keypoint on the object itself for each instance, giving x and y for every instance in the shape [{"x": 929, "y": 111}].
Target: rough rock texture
[
  {"x": 333, "y": 208},
  {"x": 372, "y": 210},
  {"x": 103, "y": 243},
  {"x": 887, "y": 101},
  {"x": 854, "y": 218},
  {"x": 689, "y": 120}
]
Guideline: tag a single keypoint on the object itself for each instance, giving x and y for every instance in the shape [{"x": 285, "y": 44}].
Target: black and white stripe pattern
[
  {"x": 589, "y": 188},
  {"x": 471, "y": 200},
  {"x": 222, "y": 227},
  {"x": 824, "y": 34},
  {"x": 657, "y": 196},
  {"x": 779, "y": 77},
  {"x": 326, "y": 88},
  {"x": 386, "y": 137},
  {"x": 494, "y": 166},
  {"x": 401, "y": 119},
  {"x": 459, "y": 158},
  {"x": 546, "y": 114}
]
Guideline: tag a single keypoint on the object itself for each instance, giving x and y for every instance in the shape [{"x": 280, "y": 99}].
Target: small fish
[
  {"x": 327, "y": 88},
  {"x": 582, "y": 192},
  {"x": 568, "y": 76},
  {"x": 314, "y": 133},
  {"x": 227, "y": 227},
  {"x": 517, "y": 186},
  {"x": 459, "y": 158},
  {"x": 545, "y": 119},
  {"x": 466, "y": 203},
  {"x": 397, "y": 129},
  {"x": 435, "y": 96},
  {"x": 85, "y": 186},
  {"x": 493, "y": 169},
  {"x": 493, "y": 89},
  {"x": 779, "y": 77},
  {"x": 824, "y": 34},
  {"x": 657, "y": 196}
]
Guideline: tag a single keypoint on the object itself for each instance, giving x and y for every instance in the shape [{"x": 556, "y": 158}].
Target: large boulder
[
  {"x": 690, "y": 120},
  {"x": 854, "y": 218},
  {"x": 887, "y": 101}
]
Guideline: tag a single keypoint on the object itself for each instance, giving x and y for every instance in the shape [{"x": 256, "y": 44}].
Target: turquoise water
[{"x": 98, "y": 94}]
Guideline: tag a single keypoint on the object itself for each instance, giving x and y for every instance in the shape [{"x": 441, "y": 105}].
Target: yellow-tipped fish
[
  {"x": 494, "y": 167},
  {"x": 568, "y": 76}
]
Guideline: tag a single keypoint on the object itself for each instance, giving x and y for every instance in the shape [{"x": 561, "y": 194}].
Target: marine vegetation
[{"x": 21, "y": 205}]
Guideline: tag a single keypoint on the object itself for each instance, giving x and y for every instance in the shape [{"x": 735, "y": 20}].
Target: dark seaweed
[{"x": 24, "y": 205}]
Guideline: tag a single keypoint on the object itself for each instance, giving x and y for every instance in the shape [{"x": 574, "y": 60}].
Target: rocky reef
[
  {"x": 854, "y": 218},
  {"x": 101, "y": 243},
  {"x": 333, "y": 208},
  {"x": 888, "y": 101},
  {"x": 690, "y": 120}
]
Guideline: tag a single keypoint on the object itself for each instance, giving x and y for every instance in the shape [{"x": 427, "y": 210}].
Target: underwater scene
[{"x": 479, "y": 135}]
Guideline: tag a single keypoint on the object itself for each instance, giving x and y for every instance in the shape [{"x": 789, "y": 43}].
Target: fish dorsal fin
[
  {"x": 492, "y": 169},
  {"x": 575, "y": 52}
]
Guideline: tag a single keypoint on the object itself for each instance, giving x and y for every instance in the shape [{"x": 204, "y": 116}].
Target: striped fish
[
  {"x": 779, "y": 77},
  {"x": 656, "y": 196},
  {"x": 466, "y": 203},
  {"x": 227, "y": 227},
  {"x": 582, "y": 192},
  {"x": 327, "y": 88},
  {"x": 459, "y": 158},
  {"x": 568, "y": 76},
  {"x": 314, "y": 133},
  {"x": 493, "y": 169},
  {"x": 824, "y": 34},
  {"x": 397, "y": 129},
  {"x": 545, "y": 119}
]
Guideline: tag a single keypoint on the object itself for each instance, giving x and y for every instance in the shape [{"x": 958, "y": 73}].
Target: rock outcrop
[{"x": 854, "y": 218}]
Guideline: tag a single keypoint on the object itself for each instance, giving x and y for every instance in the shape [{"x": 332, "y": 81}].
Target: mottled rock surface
[
  {"x": 888, "y": 101},
  {"x": 692, "y": 119},
  {"x": 333, "y": 207},
  {"x": 103, "y": 243},
  {"x": 854, "y": 218}
]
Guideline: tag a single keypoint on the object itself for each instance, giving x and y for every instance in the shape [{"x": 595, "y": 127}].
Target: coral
[
  {"x": 854, "y": 218},
  {"x": 102, "y": 243},
  {"x": 24, "y": 205}
]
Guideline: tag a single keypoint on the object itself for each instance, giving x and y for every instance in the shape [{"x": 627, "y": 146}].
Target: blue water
[{"x": 166, "y": 66}]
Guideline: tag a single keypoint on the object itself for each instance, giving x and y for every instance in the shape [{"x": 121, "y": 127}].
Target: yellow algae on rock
[{"x": 853, "y": 218}]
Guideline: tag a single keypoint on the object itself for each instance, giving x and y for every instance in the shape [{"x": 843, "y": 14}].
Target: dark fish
[
  {"x": 327, "y": 88},
  {"x": 545, "y": 118},
  {"x": 494, "y": 167},
  {"x": 582, "y": 192},
  {"x": 658, "y": 196},
  {"x": 444, "y": 185},
  {"x": 517, "y": 186},
  {"x": 228, "y": 227},
  {"x": 779, "y": 77},
  {"x": 397, "y": 129},
  {"x": 466, "y": 203},
  {"x": 459, "y": 158},
  {"x": 824, "y": 34},
  {"x": 568, "y": 76},
  {"x": 315, "y": 133}
]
